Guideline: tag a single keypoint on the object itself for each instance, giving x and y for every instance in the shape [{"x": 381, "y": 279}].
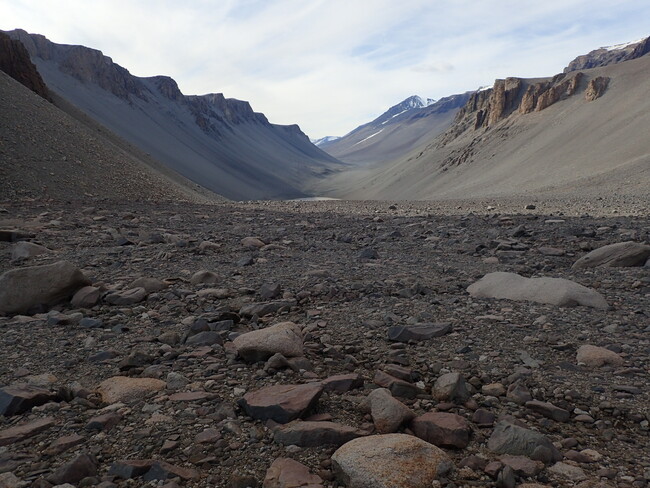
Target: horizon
[{"x": 286, "y": 57}]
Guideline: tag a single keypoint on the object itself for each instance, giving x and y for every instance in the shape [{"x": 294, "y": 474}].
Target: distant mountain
[
  {"x": 218, "y": 142},
  {"x": 608, "y": 55},
  {"x": 15, "y": 61},
  {"x": 397, "y": 131},
  {"x": 324, "y": 140},
  {"x": 582, "y": 131}
]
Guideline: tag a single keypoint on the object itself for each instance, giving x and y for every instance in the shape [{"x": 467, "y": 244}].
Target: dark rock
[
  {"x": 451, "y": 387},
  {"x": 549, "y": 410},
  {"x": 19, "y": 399},
  {"x": 508, "y": 438},
  {"x": 314, "y": 434},
  {"x": 418, "y": 333},
  {"x": 397, "y": 387},
  {"x": 104, "y": 422},
  {"x": 20, "y": 432},
  {"x": 73, "y": 472},
  {"x": 342, "y": 383},
  {"x": 442, "y": 429},
  {"x": 281, "y": 403}
]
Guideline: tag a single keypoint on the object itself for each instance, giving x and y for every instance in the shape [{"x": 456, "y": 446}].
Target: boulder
[
  {"x": 388, "y": 413},
  {"x": 265, "y": 308},
  {"x": 281, "y": 403},
  {"x": 151, "y": 285},
  {"x": 508, "y": 438},
  {"x": 621, "y": 254},
  {"x": 204, "y": 276},
  {"x": 83, "y": 466},
  {"x": 22, "y": 398},
  {"x": 595, "y": 357},
  {"x": 389, "y": 461},
  {"x": 342, "y": 383},
  {"x": 451, "y": 387},
  {"x": 86, "y": 297},
  {"x": 26, "y": 250},
  {"x": 287, "y": 473},
  {"x": 127, "y": 390},
  {"x": 126, "y": 297},
  {"x": 259, "y": 345},
  {"x": 442, "y": 429},
  {"x": 552, "y": 291},
  {"x": 18, "y": 433},
  {"x": 25, "y": 289}
]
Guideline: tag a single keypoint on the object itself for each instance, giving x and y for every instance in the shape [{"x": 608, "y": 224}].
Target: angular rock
[
  {"x": 567, "y": 471},
  {"x": 149, "y": 469},
  {"x": 127, "y": 390},
  {"x": 151, "y": 285},
  {"x": 104, "y": 422},
  {"x": 9, "y": 480},
  {"x": 264, "y": 308},
  {"x": 390, "y": 461},
  {"x": 595, "y": 357},
  {"x": 522, "y": 465},
  {"x": 21, "y": 398},
  {"x": 25, "y": 250},
  {"x": 126, "y": 297},
  {"x": 284, "y": 338},
  {"x": 282, "y": 403},
  {"x": 508, "y": 438},
  {"x": 417, "y": 333},
  {"x": 388, "y": 413},
  {"x": 442, "y": 429},
  {"x": 342, "y": 383},
  {"x": 86, "y": 297},
  {"x": 204, "y": 276},
  {"x": 451, "y": 387},
  {"x": 20, "y": 432},
  {"x": 549, "y": 410},
  {"x": 518, "y": 393},
  {"x": 287, "y": 473},
  {"x": 315, "y": 434},
  {"x": 397, "y": 387},
  {"x": 253, "y": 242},
  {"x": 64, "y": 443},
  {"x": 621, "y": 254},
  {"x": 552, "y": 291},
  {"x": 73, "y": 472},
  {"x": 25, "y": 289},
  {"x": 207, "y": 338}
]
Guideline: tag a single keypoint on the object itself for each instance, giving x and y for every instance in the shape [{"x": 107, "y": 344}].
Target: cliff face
[
  {"x": 15, "y": 61},
  {"x": 606, "y": 56}
]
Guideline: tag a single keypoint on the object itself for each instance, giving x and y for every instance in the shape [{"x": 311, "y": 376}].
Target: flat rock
[
  {"x": 552, "y": 291},
  {"x": 342, "y": 383},
  {"x": 287, "y": 473},
  {"x": 64, "y": 443},
  {"x": 388, "y": 413},
  {"x": 442, "y": 429},
  {"x": 83, "y": 466},
  {"x": 204, "y": 276},
  {"x": 397, "y": 387},
  {"x": 259, "y": 345},
  {"x": 417, "y": 333},
  {"x": 151, "y": 285},
  {"x": 282, "y": 403},
  {"x": 508, "y": 438},
  {"x": 314, "y": 434},
  {"x": 621, "y": 254},
  {"x": 21, "y": 398},
  {"x": 126, "y": 297},
  {"x": 21, "y": 432},
  {"x": 150, "y": 469},
  {"x": 549, "y": 410},
  {"x": 126, "y": 389},
  {"x": 390, "y": 461},
  {"x": 264, "y": 308},
  {"x": 595, "y": 357},
  {"x": 567, "y": 471},
  {"x": 24, "y": 289},
  {"x": 253, "y": 242}
]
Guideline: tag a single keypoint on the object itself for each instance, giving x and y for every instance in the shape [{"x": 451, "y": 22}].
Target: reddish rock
[
  {"x": 19, "y": 399},
  {"x": 191, "y": 396},
  {"x": 549, "y": 410},
  {"x": 125, "y": 389},
  {"x": 595, "y": 357},
  {"x": 208, "y": 436},
  {"x": 287, "y": 473},
  {"x": 397, "y": 387},
  {"x": 314, "y": 434},
  {"x": 150, "y": 469},
  {"x": 259, "y": 345},
  {"x": 522, "y": 465},
  {"x": 281, "y": 403},
  {"x": 451, "y": 387},
  {"x": 21, "y": 432},
  {"x": 62, "y": 444},
  {"x": 342, "y": 383},
  {"x": 442, "y": 429},
  {"x": 104, "y": 422},
  {"x": 86, "y": 297}
]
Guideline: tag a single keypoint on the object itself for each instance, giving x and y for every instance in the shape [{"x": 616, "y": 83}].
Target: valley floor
[{"x": 346, "y": 271}]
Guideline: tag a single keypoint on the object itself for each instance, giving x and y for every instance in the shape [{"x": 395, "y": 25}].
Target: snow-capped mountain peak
[{"x": 324, "y": 140}]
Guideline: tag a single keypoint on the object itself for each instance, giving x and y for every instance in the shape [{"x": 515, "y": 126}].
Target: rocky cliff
[
  {"x": 605, "y": 56},
  {"x": 15, "y": 61}
]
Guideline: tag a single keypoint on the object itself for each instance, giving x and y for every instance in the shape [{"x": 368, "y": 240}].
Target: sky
[{"x": 332, "y": 65}]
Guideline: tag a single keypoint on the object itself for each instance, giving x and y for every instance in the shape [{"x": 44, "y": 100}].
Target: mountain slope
[
  {"x": 45, "y": 153},
  {"x": 583, "y": 131},
  {"x": 393, "y": 134},
  {"x": 217, "y": 142}
]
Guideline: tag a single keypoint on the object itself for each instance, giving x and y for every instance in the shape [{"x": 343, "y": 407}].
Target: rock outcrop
[
  {"x": 605, "y": 56},
  {"x": 596, "y": 87},
  {"x": 14, "y": 60}
]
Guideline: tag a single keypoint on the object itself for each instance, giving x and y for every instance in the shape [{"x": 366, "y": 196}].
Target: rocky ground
[{"x": 348, "y": 275}]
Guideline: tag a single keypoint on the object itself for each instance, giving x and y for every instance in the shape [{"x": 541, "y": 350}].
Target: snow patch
[
  {"x": 616, "y": 47},
  {"x": 372, "y": 135}
]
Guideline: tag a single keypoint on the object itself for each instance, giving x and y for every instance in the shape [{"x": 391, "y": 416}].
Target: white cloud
[{"x": 330, "y": 65}]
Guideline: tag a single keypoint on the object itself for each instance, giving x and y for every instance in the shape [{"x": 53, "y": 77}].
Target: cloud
[{"x": 330, "y": 65}]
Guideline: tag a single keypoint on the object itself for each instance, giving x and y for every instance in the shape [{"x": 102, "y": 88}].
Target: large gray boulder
[
  {"x": 388, "y": 461},
  {"x": 284, "y": 338},
  {"x": 621, "y": 254},
  {"x": 552, "y": 291},
  {"x": 25, "y": 289},
  {"x": 508, "y": 438}
]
